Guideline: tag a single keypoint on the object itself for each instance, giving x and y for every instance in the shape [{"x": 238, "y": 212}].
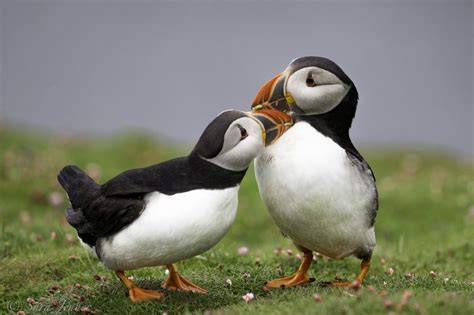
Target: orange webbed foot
[
  {"x": 177, "y": 282},
  {"x": 137, "y": 294},
  {"x": 298, "y": 278}
]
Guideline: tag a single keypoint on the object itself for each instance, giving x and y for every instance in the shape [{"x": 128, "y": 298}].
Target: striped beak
[
  {"x": 274, "y": 123},
  {"x": 273, "y": 95}
]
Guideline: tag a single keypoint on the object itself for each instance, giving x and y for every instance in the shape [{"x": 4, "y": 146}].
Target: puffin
[
  {"x": 317, "y": 187},
  {"x": 174, "y": 210}
]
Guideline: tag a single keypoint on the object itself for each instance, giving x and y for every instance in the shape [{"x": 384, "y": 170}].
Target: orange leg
[
  {"x": 364, "y": 268},
  {"x": 177, "y": 282},
  {"x": 299, "y": 277},
  {"x": 137, "y": 294}
]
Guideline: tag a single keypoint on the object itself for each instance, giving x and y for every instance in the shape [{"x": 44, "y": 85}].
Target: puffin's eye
[
  {"x": 310, "y": 81},
  {"x": 243, "y": 132}
]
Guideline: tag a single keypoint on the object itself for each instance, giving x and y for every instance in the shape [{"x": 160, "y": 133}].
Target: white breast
[
  {"x": 172, "y": 228},
  {"x": 314, "y": 193}
]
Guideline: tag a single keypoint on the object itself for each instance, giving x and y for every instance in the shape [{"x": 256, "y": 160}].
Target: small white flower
[
  {"x": 167, "y": 272},
  {"x": 229, "y": 282},
  {"x": 446, "y": 279},
  {"x": 248, "y": 297},
  {"x": 55, "y": 199}
]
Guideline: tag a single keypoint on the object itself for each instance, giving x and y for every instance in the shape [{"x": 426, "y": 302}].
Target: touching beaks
[
  {"x": 273, "y": 95},
  {"x": 273, "y": 123}
]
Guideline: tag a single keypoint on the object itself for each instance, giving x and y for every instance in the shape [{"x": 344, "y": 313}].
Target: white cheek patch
[
  {"x": 322, "y": 98},
  {"x": 231, "y": 138},
  {"x": 327, "y": 94},
  {"x": 236, "y": 155}
]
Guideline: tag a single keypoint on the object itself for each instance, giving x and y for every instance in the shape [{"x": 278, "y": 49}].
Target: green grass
[{"x": 424, "y": 224}]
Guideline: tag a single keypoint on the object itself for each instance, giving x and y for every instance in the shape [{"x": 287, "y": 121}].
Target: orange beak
[
  {"x": 273, "y": 122},
  {"x": 273, "y": 95}
]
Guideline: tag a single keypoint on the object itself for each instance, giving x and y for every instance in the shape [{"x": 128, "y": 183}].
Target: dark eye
[
  {"x": 243, "y": 132},
  {"x": 310, "y": 81}
]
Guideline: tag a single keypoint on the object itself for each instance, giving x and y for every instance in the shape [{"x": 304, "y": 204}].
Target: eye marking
[
  {"x": 310, "y": 81},
  {"x": 243, "y": 132}
]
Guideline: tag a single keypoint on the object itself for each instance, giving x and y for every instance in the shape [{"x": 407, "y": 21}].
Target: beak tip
[{"x": 274, "y": 123}]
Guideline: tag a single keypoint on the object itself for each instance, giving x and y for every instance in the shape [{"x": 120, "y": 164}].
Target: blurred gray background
[{"x": 96, "y": 67}]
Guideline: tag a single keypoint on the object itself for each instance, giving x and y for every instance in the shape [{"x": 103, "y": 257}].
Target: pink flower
[
  {"x": 388, "y": 303},
  {"x": 248, "y": 297},
  {"x": 30, "y": 300},
  {"x": 244, "y": 250},
  {"x": 70, "y": 239},
  {"x": 317, "y": 298},
  {"x": 355, "y": 285}
]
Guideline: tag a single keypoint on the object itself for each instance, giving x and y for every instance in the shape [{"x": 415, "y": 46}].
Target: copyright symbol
[{"x": 13, "y": 305}]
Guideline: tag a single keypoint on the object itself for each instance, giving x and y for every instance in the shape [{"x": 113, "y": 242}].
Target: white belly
[
  {"x": 172, "y": 228},
  {"x": 314, "y": 193}
]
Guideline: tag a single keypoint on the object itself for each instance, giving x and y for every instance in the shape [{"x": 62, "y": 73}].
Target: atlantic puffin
[
  {"x": 318, "y": 188},
  {"x": 165, "y": 213}
]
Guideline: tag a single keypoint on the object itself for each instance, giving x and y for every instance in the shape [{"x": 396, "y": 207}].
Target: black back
[{"x": 172, "y": 177}]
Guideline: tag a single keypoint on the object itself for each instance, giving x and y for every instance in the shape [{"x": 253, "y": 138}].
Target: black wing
[
  {"x": 119, "y": 201},
  {"x": 92, "y": 214}
]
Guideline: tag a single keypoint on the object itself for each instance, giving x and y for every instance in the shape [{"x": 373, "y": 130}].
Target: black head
[
  {"x": 234, "y": 138},
  {"x": 320, "y": 62},
  {"x": 212, "y": 139}
]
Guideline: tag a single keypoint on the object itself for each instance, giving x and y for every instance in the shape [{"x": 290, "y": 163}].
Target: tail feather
[{"x": 80, "y": 188}]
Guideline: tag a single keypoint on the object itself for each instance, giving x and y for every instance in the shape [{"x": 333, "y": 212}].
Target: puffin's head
[
  {"x": 308, "y": 86},
  {"x": 234, "y": 138}
]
